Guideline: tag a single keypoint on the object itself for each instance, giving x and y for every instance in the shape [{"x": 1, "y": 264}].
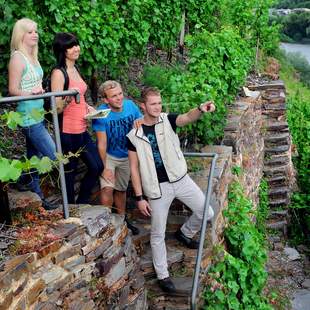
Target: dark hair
[
  {"x": 149, "y": 91},
  {"x": 62, "y": 42}
]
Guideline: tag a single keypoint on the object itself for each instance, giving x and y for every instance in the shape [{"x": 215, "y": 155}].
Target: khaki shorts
[{"x": 121, "y": 171}]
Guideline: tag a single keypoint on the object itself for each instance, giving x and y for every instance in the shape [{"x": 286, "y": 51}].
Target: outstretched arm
[
  {"x": 142, "y": 204},
  {"x": 194, "y": 114}
]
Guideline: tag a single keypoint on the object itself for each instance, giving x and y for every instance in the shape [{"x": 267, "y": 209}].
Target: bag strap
[{"x": 66, "y": 76}]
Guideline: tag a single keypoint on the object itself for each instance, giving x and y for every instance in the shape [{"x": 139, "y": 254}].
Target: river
[{"x": 303, "y": 49}]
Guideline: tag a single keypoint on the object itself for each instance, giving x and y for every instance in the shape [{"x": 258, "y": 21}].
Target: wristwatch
[
  {"x": 200, "y": 109},
  {"x": 139, "y": 198}
]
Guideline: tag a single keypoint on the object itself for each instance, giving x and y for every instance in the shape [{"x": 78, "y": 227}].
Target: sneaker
[
  {"x": 188, "y": 242},
  {"x": 167, "y": 285},
  {"x": 48, "y": 206},
  {"x": 22, "y": 187},
  {"x": 135, "y": 230}
]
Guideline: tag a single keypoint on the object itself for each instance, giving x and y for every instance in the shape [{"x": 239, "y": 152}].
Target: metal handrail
[
  {"x": 52, "y": 96},
  {"x": 214, "y": 157}
]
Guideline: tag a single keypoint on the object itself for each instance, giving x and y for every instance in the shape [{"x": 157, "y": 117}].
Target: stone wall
[
  {"x": 244, "y": 133},
  {"x": 278, "y": 167},
  {"x": 258, "y": 132},
  {"x": 92, "y": 264}
]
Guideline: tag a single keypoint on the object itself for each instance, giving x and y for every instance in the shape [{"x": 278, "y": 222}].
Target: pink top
[{"x": 73, "y": 114}]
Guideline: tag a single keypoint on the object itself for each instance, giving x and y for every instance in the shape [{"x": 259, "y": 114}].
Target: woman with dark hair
[{"x": 72, "y": 123}]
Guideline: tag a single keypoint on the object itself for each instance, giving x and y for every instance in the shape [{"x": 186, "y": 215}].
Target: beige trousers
[{"x": 188, "y": 192}]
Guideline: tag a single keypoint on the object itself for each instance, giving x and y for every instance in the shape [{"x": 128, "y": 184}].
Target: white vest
[{"x": 170, "y": 151}]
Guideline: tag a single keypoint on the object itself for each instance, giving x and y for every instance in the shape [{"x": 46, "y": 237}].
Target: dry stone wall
[
  {"x": 278, "y": 167},
  {"x": 257, "y": 130},
  {"x": 92, "y": 264}
]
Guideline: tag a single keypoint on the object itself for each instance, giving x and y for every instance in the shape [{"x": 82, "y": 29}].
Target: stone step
[
  {"x": 159, "y": 300},
  {"x": 277, "y": 126},
  {"x": 174, "y": 256},
  {"x": 277, "y": 225},
  {"x": 278, "y": 214},
  {"x": 277, "y": 180},
  {"x": 272, "y": 137},
  {"x": 279, "y": 192},
  {"x": 276, "y": 160},
  {"x": 23, "y": 200},
  {"x": 278, "y": 84},
  {"x": 276, "y": 150},
  {"x": 280, "y": 106},
  {"x": 278, "y": 202},
  {"x": 275, "y": 171},
  {"x": 145, "y": 229},
  {"x": 279, "y": 139}
]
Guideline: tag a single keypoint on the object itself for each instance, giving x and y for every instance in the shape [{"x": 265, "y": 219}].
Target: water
[{"x": 303, "y": 49}]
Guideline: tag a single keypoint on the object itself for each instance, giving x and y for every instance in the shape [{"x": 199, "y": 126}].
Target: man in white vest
[{"x": 159, "y": 174}]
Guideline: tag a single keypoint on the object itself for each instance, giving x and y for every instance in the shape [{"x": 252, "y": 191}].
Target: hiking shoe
[
  {"x": 48, "y": 206},
  {"x": 135, "y": 230},
  {"x": 188, "y": 242},
  {"x": 167, "y": 285}
]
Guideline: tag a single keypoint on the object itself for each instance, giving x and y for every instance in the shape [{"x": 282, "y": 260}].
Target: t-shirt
[
  {"x": 149, "y": 132},
  {"x": 117, "y": 125}
]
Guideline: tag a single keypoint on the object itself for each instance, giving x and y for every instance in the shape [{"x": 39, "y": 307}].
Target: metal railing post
[
  {"x": 61, "y": 165},
  {"x": 214, "y": 157},
  {"x": 52, "y": 96}
]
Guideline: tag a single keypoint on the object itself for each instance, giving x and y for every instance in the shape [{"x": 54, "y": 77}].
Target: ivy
[
  {"x": 263, "y": 206},
  {"x": 238, "y": 277}
]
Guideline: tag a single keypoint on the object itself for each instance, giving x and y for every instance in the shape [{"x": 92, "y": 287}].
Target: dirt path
[{"x": 289, "y": 278}]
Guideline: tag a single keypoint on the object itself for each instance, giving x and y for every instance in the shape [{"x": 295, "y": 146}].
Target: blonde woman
[{"x": 25, "y": 79}]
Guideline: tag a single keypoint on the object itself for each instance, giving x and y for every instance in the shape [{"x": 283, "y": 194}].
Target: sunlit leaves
[
  {"x": 239, "y": 273},
  {"x": 11, "y": 119}
]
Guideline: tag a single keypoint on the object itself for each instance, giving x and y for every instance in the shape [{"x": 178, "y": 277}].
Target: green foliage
[
  {"x": 301, "y": 65},
  {"x": 113, "y": 31},
  {"x": 222, "y": 38},
  {"x": 295, "y": 26},
  {"x": 292, "y": 4},
  {"x": 299, "y": 122},
  {"x": 160, "y": 76},
  {"x": 236, "y": 170},
  {"x": 263, "y": 207},
  {"x": 298, "y": 114},
  {"x": 10, "y": 170},
  {"x": 239, "y": 275},
  {"x": 11, "y": 119},
  {"x": 218, "y": 65}
]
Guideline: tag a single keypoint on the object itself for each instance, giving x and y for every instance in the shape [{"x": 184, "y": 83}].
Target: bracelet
[{"x": 139, "y": 198}]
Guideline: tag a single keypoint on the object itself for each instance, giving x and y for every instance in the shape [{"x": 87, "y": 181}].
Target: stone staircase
[
  {"x": 278, "y": 168},
  {"x": 181, "y": 262}
]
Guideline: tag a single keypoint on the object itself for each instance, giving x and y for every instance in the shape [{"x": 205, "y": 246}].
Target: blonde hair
[
  {"x": 20, "y": 28},
  {"x": 149, "y": 91},
  {"x": 106, "y": 86}
]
